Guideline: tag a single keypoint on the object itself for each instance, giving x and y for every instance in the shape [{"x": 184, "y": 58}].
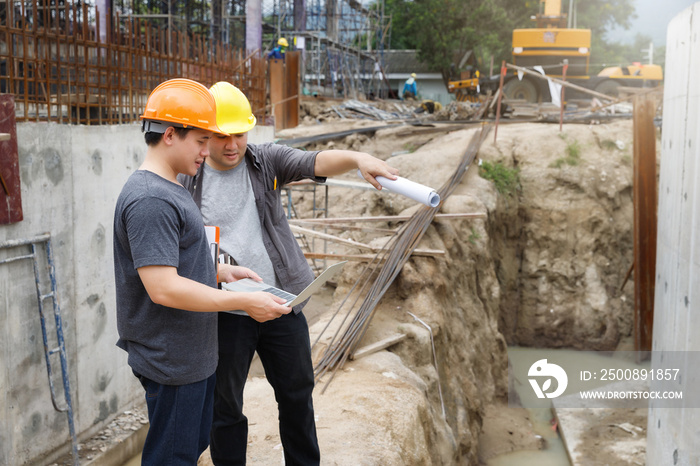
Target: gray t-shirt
[
  {"x": 156, "y": 222},
  {"x": 240, "y": 235}
]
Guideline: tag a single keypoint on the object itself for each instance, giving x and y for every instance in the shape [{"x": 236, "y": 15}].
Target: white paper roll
[{"x": 410, "y": 189}]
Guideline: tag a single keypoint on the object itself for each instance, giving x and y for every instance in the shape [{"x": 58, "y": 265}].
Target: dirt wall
[{"x": 563, "y": 241}]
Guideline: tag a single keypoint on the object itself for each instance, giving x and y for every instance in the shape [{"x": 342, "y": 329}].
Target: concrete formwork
[
  {"x": 70, "y": 178},
  {"x": 673, "y": 434}
]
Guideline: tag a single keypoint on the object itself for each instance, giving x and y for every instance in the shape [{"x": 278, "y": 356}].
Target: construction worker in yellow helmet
[
  {"x": 279, "y": 51},
  {"x": 239, "y": 188},
  {"x": 166, "y": 281}
]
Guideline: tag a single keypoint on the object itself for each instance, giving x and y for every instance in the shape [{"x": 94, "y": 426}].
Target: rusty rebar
[{"x": 403, "y": 243}]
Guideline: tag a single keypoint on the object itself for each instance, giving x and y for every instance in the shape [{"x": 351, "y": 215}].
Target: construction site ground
[{"x": 543, "y": 267}]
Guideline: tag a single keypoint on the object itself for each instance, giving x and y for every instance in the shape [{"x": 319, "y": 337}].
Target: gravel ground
[{"x": 110, "y": 437}]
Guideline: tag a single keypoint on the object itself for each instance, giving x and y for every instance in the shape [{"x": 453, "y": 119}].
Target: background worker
[
  {"x": 410, "y": 89},
  {"x": 428, "y": 106},
  {"x": 166, "y": 279},
  {"x": 238, "y": 188},
  {"x": 279, "y": 51}
]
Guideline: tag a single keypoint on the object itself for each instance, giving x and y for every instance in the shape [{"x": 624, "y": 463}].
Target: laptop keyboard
[{"x": 281, "y": 293}]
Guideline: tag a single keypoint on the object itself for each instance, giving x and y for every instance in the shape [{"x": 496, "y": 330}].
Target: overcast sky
[{"x": 653, "y": 17}]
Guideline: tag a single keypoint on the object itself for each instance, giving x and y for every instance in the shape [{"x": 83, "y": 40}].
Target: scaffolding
[
  {"x": 342, "y": 43},
  {"x": 221, "y": 21}
]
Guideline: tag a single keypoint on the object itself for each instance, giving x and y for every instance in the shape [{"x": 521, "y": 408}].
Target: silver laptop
[{"x": 250, "y": 285}]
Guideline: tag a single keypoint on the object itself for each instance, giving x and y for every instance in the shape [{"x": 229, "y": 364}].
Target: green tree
[
  {"x": 443, "y": 30},
  {"x": 600, "y": 16},
  {"x": 401, "y": 11}
]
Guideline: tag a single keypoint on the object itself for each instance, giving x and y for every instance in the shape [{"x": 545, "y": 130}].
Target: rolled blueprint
[{"x": 412, "y": 190}]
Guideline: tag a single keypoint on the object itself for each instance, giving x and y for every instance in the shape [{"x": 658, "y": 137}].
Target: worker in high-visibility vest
[
  {"x": 410, "y": 89},
  {"x": 279, "y": 51}
]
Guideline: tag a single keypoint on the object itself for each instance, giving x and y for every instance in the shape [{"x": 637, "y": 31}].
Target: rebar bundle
[{"x": 380, "y": 273}]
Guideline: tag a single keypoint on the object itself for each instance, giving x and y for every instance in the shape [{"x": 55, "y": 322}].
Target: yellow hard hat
[
  {"x": 413, "y": 75},
  {"x": 283, "y": 42},
  {"x": 183, "y": 102},
  {"x": 233, "y": 113}
]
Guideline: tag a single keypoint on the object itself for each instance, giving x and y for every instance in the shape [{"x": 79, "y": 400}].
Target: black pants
[{"x": 285, "y": 352}]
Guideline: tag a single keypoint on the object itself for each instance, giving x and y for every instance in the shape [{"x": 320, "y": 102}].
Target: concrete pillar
[
  {"x": 673, "y": 435},
  {"x": 253, "y": 25},
  {"x": 332, "y": 19},
  {"x": 299, "y": 15},
  {"x": 104, "y": 8}
]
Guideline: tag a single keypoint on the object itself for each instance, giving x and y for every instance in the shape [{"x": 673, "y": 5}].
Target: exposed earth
[{"x": 543, "y": 268}]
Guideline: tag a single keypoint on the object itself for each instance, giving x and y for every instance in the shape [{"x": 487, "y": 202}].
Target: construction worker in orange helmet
[{"x": 166, "y": 281}]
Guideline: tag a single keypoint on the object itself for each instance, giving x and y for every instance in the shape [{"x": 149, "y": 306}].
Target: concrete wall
[
  {"x": 71, "y": 177},
  {"x": 674, "y": 434}
]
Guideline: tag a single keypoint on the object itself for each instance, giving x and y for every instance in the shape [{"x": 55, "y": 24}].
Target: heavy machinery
[
  {"x": 465, "y": 89},
  {"x": 550, "y": 45}
]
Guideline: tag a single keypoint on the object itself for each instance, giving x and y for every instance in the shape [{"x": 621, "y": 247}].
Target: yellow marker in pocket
[{"x": 275, "y": 185}]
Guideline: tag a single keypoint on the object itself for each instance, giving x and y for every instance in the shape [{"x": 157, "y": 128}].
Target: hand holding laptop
[
  {"x": 250, "y": 285},
  {"x": 232, "y": 273}
]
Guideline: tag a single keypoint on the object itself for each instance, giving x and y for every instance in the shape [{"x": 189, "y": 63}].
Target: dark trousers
[
  {"x": 285, "y": 352},
  {"x": 180, "y": 419}
]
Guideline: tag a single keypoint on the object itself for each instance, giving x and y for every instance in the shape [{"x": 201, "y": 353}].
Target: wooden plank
[
  {"x": 378, "y": 346},
  {"x": 418, "y": 130},
  {"x": 10, "y": 192},
  {"x": 346, "y": 227},
  {"x": 347, "y": 257},
  {"x": 277, "y": 92},
  {"x": 649, "y": 90},
  {"x": 645, "y": 220},
  {"x": 349, "y": 242},
  {"x": 291, "y": 89},
  {"x": 328, "y": 237}
]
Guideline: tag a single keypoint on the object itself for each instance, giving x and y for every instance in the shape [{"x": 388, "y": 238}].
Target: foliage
[
  {"x": 444, "y": 30},
  {"x": 608, "y": 144},
  {"x": 506, "y": 180},
  {"x": 573, "y": 155},
  {"x": 410, "y": 147},
  {"x": 473, "y": 236},
  {"x": 603, "y": 15},
  {"x": 617, "y": 54}
]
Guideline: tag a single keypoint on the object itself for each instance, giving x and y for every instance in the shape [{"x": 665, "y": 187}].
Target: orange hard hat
[{"x": 182, "y": 103}]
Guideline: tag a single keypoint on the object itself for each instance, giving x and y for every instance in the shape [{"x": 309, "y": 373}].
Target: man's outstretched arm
[{"x": 335, "y": 162}]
